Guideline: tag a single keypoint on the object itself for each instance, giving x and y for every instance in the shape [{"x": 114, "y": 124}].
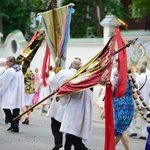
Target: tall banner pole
[{"x": 55, "y": 38}]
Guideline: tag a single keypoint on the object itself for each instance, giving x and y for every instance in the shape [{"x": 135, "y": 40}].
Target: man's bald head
[{"x": 76, "y": 64}]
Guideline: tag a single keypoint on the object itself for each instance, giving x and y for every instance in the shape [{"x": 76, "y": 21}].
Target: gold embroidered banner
[{"x": 29, "y": 52}]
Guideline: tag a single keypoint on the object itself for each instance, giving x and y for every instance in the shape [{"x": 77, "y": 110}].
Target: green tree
[
  {"x": 140, "y": 8},
  {"x": 87, "y": 15},
  {"x": 15, "y": 14}
]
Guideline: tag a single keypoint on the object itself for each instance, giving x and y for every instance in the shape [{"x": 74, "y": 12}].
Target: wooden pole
[
  {"x": 55, "y": 38},
  {"x": 56, "y": 62},
  {"x": 33, "y": 106}
]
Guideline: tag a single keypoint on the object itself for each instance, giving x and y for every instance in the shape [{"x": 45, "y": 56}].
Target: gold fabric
[{"x": 59, "y": 14}]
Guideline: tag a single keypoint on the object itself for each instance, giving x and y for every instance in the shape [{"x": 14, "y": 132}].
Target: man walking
[
  {"x": 143, "y": 82},
  {"x": 12, "y": 88},
  {"x": 76, "y": 120},
  {"x": 57, "y": 109}
]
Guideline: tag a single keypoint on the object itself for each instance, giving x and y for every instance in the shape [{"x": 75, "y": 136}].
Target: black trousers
[
  {"x": 68, "y": 144},
  {"x": 76, "y": 141},
  {"x": 58, "y": 136},
  {"x": 11, "y": 115}
]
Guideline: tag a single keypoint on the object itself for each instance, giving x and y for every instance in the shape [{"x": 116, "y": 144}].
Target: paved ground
[{"x": 37, "y": 135}]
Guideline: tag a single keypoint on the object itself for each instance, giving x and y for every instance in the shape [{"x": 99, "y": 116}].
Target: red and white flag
[{"x": 46, "y": 64}]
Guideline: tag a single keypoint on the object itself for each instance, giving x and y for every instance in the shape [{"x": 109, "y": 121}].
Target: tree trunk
[
  {"x": 1, "y": 24},
  {"x": 97, "y": 23},
  {"x": 102, "y": 14}
]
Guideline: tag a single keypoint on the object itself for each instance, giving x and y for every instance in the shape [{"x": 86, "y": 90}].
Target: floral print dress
[{"x": 123, "y": 109}]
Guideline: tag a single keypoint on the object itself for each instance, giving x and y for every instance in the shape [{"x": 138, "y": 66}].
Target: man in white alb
[
  {"x": 2, "y": 70},
  {"x": 143, "y": 82},
  {"x": 12, "y": 87},
  {"x": 76, "y": 119},
  {"x": 57, "y": 108}
]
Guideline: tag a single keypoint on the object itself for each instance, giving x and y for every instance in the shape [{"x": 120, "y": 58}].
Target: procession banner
[
  {"x": 46, "y": 65},
  {"x": 122, "y": 65},
  {"x": 29, "y": 52},
  {"x": 61, "y": 25},
  {"x": 96, "y": 71}
]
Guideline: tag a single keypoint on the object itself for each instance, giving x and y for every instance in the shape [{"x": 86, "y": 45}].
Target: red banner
[
  {"x": 46, "y": 65},
  {"x": 122, "y": 65},
  {"x": 109, "y": 119},
  {"x": 96, "y": 71}
]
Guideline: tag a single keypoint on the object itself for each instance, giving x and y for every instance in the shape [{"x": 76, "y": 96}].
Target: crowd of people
[
  {"x": 22, "y": 91},
  {"x": 126, "y": 108},
  {"x": 19, "y": 92},
  {"x": 28, "y": 89}
]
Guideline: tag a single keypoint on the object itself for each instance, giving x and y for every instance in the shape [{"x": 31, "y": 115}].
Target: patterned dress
[
  {"x": 28, "y": 88},
  {"x": 29, "y": 82},
  {"x": 123, "y": 109}
]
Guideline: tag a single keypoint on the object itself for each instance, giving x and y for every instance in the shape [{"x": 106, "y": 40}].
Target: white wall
[
  {"x": 6, "y": 48},
  {"x": 85, "y": 51},
  {"x": 82, "y": 48}
]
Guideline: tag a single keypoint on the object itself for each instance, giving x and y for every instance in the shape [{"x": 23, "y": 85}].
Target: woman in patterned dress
[
  {"x": 29, "y": 93},
  {"x": 123, "y": 113}
]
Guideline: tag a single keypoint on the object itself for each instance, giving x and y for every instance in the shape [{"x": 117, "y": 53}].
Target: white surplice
[
  {"x": 12, "y": 85},
  {"x": 145, "y": 91},
  {"x": 147, "y": 72},
  {"x": 77, "y": 118},
  {"x": 56, "y": 109},
  {"x": 74, "y": 111},
  {"x": 2, "y": 70}
]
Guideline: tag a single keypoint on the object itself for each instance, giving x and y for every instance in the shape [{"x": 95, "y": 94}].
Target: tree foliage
[
  {"x": 140, "y": 8},
  {"x": 81, "y": 18},
  {"x": 15, "y": 14},
  {"x": 116, "y": 8},
  {"x": 87, "y": 15}
]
